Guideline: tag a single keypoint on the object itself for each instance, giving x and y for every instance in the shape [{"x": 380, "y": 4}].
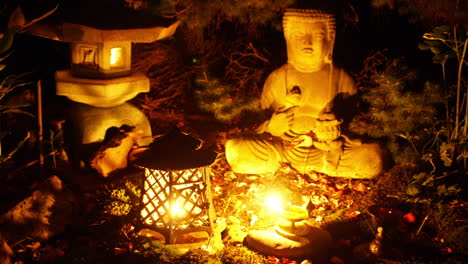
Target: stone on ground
[{"x": 315, "y": 245}]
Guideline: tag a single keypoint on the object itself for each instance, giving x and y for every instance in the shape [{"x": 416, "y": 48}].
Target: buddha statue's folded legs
[
  {"x": 353, "y": 159},
  {"x": 258, "y": 154},
  {"x": 264, "y": 154}
]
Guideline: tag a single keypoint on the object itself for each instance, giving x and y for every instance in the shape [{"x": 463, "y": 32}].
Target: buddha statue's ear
[
  {"x": 331, "y": 43},
  {"x": 328, "y": 59}
]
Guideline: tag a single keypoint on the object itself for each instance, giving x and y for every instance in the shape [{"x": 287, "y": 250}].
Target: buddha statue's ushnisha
[{"x": 310, "y": 97}]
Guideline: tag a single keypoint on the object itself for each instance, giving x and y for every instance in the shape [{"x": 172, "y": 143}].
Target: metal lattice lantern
[{"x": 176, "y": 197}]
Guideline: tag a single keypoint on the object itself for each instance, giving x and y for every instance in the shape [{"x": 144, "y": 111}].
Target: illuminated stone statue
[{"x": 309, "y": 97}]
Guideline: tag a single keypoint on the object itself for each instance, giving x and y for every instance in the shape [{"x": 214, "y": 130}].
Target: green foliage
[
  {"x": 395, "y": 113},
  {"x": 17, "y": 17},
  {"x": 451, "y": 42},
  {"x": 423, "y": 11},
  {"x": 9, "y": 84},
  {"x": 238, "y": 90},
  {"x": 6, "y": 42},
  {"x": 218, "y": 99},
  {"x": 427, "y": 188},
  {"x": 235, "y": 66},
  {"x": 203, "y": 14},
  {"x": 12, "y": 82},
  {"x": 434, "y": 42},
  {"x": 457, "y": 239},
  {"x": 240, "y": 255},
  {"x": 207, "y": 26},
  {"x": 150, "y": 248},
  {"x": 196, "y": 256},
  {"x": 155, "y": 251},
  {"x": 120, "y": 204},
  {"x": 417, "y": 138},
  {"x": 2, "y": 66},
  {"x": 121, "y": 198},
  {"x": 5, "y": 158},
  {"x": 136, "y": 4}
]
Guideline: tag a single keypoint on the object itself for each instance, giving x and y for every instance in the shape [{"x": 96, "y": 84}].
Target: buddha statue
[{"x": 309, "y": 97}]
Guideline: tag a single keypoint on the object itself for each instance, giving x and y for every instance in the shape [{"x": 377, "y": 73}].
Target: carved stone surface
[{"x": 310, "y": 97}]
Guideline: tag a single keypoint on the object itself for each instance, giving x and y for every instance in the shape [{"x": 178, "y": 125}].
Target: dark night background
[
  {"x": 209, "y": 34},
  {"x": 366, "y": 29}
]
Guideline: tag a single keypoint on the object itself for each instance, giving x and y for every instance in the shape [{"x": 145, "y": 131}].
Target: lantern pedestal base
[{"x": 314, "y": 245}]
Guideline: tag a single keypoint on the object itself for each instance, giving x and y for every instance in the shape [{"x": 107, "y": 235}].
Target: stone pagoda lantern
[{"x": 100, "y": 80}]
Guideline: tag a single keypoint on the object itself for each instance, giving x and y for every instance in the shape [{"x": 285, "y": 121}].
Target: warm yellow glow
[
  {"x": 159, "y": 206},
  {"x": 274, "y": 202},
  {"x": 116, "y": 57},
  {"x": 177, "y": 208}
]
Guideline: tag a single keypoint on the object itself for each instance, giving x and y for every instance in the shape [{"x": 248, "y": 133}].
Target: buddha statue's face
[{"x": 309, "y": 43}]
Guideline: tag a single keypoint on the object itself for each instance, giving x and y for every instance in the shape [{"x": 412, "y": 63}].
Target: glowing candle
[
  {"x": 116, "y": 57},
  {"x": 274, "y": 202}
]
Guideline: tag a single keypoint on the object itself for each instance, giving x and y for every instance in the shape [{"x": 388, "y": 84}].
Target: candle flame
[{"x": 177, "y": 208}]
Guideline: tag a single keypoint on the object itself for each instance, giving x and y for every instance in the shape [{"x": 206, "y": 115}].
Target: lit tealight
[
  {"x": 274, "y": 202},
  {"x": 177, "y": 208}
]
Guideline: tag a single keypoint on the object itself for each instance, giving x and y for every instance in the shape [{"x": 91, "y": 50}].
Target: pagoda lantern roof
[
  {"x": 97, "y": 21},
  {"x": 175, "y": 150}
]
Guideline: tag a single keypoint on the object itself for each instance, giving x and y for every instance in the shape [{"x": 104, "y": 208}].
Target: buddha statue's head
[{"x": 310, "y": 36}]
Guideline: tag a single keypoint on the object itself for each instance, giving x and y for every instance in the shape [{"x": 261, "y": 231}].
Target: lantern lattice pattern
[{"x": 177, "y": 201}]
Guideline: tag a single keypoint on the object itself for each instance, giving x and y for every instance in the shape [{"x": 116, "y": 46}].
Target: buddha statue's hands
[
  {"x": 281, "y": 121},
  {"x": 327, "y": 128}
]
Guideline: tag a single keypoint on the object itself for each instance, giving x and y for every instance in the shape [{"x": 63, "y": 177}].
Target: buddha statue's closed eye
[{"x": 309, "y": 96}]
